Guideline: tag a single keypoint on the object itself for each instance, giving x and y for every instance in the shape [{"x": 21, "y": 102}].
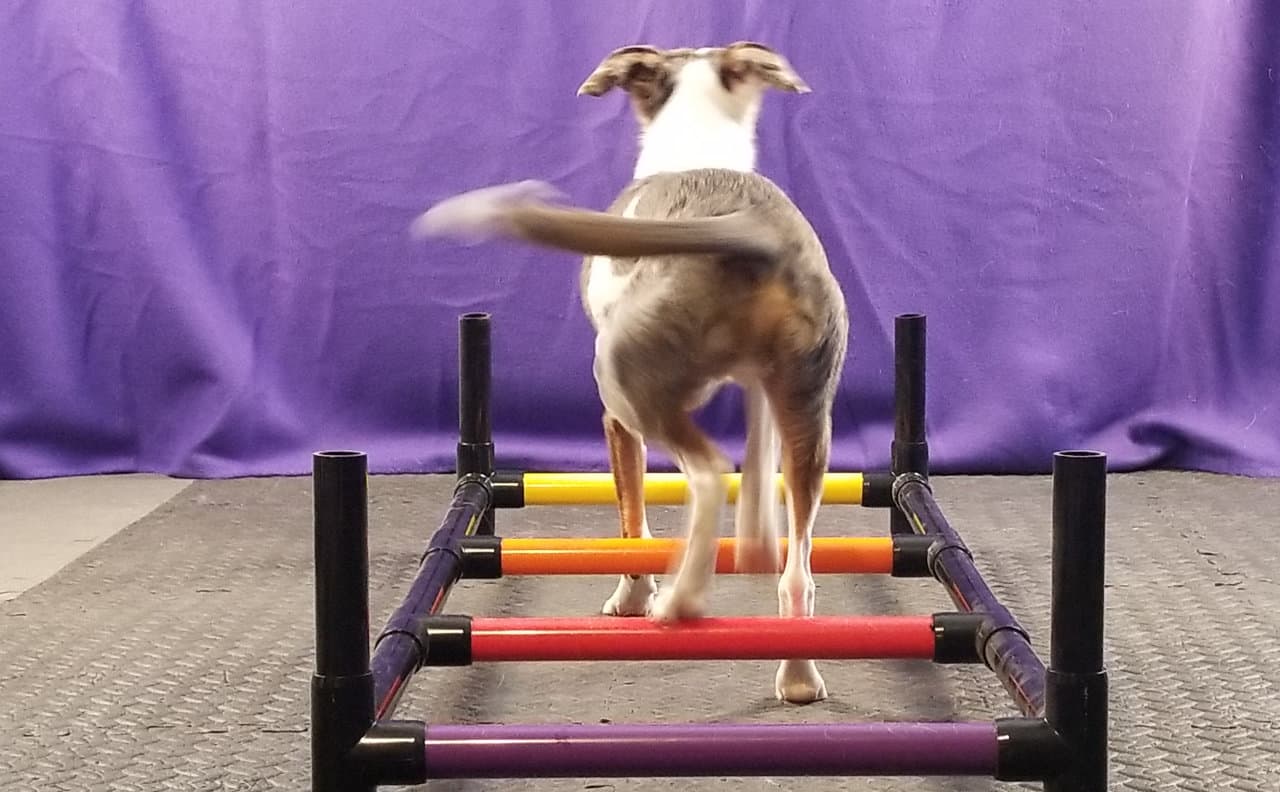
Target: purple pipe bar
[
  {"x": 1003, "y": 641},
  {"x": 695, "y": 750}
]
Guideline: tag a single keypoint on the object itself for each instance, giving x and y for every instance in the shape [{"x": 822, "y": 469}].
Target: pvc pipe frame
[
  {"x": 653, "y": 556},
  {"x": 355, "y": 749},
  {"x": 660, "y": 489}
]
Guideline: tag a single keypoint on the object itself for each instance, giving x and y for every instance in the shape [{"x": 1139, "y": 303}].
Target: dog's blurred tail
[{"x": 525, "y": 210}]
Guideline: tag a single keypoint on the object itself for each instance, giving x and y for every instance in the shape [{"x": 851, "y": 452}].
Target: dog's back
[{"x": 717, "y": 314}]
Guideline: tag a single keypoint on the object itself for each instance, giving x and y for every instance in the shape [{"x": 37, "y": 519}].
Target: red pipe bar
[{"x": 738, "y": 638}]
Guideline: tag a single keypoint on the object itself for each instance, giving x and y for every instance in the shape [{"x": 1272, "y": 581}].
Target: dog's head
[{"x": 732, "y": 78}]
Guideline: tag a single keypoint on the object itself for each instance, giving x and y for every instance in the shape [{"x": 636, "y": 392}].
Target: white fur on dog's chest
[{"x": 605, "y": 286}]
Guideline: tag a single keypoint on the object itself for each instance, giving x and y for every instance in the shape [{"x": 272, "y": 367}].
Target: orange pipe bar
[{"x": 831, "y": 555}]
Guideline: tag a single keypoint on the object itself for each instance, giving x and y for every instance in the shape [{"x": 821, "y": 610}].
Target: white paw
[
  {"x": 757, "y": 554},
  {"x": 798, "y": 682},
  {"x": 675, "y": 604},
  {"x": 479, "y": 214},
  {"x": 633, "y": 597}
]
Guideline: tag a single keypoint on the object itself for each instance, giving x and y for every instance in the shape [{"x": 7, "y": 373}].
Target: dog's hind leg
[
  {"x": 806, "y": 443},
  {"x": 756, "y": 518},
  {"x": 704, "y": 466},
  {"x": 627, "y": 463}
]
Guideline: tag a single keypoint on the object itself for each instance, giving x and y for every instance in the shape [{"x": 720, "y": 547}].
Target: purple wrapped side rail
[
  {"x": 1002, "y": 640},
  {"x": 398, "y": 652},
  {"x": 691, "y": 750}
]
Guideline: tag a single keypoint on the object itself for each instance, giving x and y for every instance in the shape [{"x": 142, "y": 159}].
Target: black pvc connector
[
  {"x": 955, "y": 637},
  {"x": 911, "y": 555},
  {"x": 475, "y": 426},
  {"x": 1076, "y": 705},
  {"x": 392, "y": 753},
  {"x": 481, "y": 557},
  {"x": 446, "y": 640},
  {"x": 474, "y": 455},
  {"x": 877, "y": 490},
  {"x": 1028, "y": 749},
  {"x": 341, "y": 713},
  {"x": 508, "y": 489}
]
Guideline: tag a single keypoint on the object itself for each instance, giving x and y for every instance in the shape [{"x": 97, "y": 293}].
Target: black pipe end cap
[
  {"x": 911, "y": 555},
  {"x": 955, "y": 637},
  {"x": 392, "y": 752},
  {"x": 877, "y": 490},
  {"x": 508, "y": 489},
  {"x": 446, "y": 640},
  {"x": 481, "y": 557},
  {"x": 1028, "y": 749}
]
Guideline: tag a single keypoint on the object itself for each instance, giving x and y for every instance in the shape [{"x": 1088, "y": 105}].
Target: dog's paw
[
  {"x": 633, "y": 597},
  {"x": 677, "y": 604},
  {"x": 757, "y": 554},
  {"x": 798, "y": 682},
  {"x": 480, "y": 214}
]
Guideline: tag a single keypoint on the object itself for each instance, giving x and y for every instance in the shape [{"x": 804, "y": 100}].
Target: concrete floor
[
  {"x": 48, "y": 523},
  {"x": 178, "y": 655}
]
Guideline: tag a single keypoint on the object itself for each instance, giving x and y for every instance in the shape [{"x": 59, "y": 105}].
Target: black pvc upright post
[
  {"x": 475, "y": 428},
  {"x": 910, "y": 450},
  {"x": 1076, "y": 681},
  {"x": 342, "y": 686}
]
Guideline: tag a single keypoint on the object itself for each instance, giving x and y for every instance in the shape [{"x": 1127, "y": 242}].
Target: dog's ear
[
  {"x": 744, "y": 59},
  {"x": 624, "y": 68}
]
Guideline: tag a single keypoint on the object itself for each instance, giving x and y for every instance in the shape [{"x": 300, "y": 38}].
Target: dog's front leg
[{"x": 627, "y": 463}]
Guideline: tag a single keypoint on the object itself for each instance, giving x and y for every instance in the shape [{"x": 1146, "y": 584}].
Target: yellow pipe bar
[{"x": 596, "y": 489}]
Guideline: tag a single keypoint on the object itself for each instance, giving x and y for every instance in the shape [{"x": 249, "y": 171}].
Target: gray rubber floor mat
[{"x": 177, "y": 655}]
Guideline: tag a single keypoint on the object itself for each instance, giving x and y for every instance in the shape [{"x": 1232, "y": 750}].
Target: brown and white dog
[{"x": 701, "y": 272}]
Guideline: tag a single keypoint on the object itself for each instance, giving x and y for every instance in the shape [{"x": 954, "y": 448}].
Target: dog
[{"x": 701, "y": 272}]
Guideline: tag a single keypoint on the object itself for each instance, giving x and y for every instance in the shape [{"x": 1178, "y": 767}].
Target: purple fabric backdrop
[{"x": 206, "y": 272}]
